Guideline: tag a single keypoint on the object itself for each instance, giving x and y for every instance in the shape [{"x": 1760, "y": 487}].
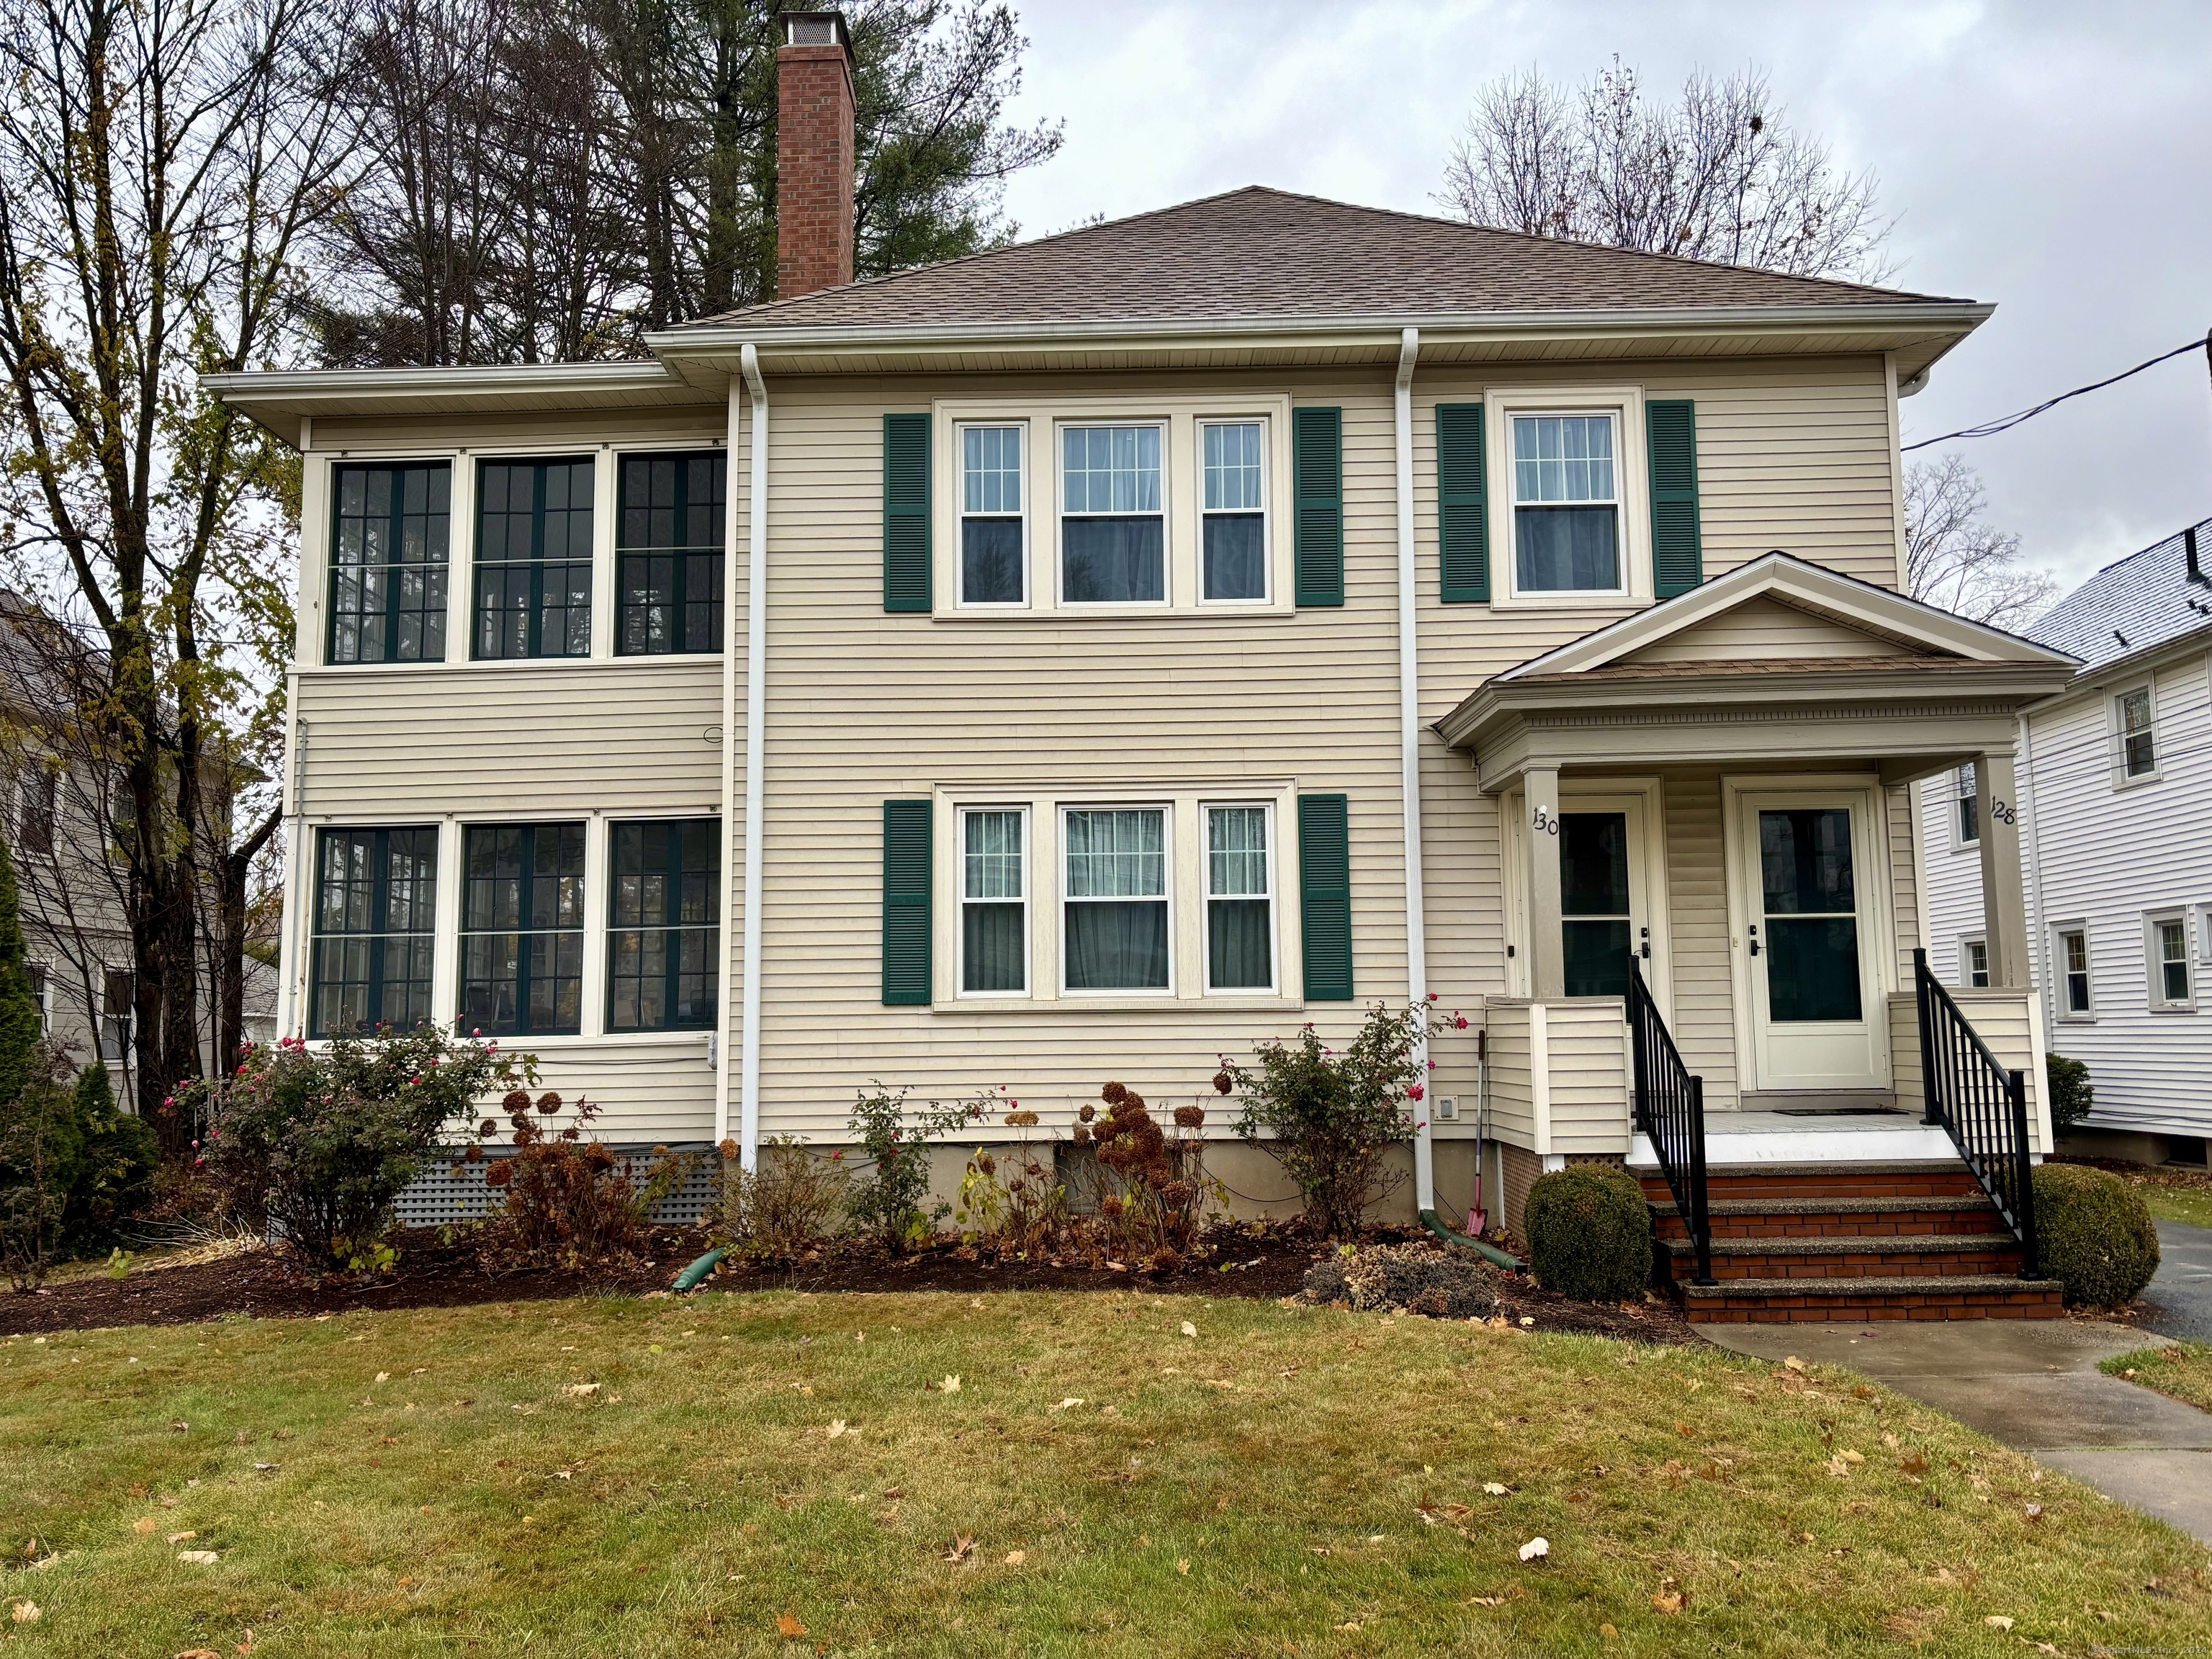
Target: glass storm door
[
  {"x": 1597, "y": 911},
  {"x": 1819, "y": 1020}
]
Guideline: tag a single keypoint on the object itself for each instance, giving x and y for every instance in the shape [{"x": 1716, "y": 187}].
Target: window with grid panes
[
  {"x": 522, "y": 929},
  {"x": 1235, "y": 535},
  {"x": 994, "y": 908},
  {"x": 376, "y": 901},
  {"x": 664, "y": 923},
  {"x": 1240, "y": 932},
  {"x": 1567, "y": 513},
  {"x": 1113, "y": 536},
  {"x": 533, "y": 559},
  {"x": 388, "y": 561},
  {"x": 670, "y": 549}
]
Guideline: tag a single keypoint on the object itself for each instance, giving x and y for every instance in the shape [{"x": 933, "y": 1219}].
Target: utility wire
[{"x": 2006, "y": 422}]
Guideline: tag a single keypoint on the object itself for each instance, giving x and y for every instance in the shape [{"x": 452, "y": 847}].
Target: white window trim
[
  {"x": 2155, "y": 960},
  {"x": 1267, "y": 518},
  {"x": 961, "y": 814},
  {"x": 1045, "y": 804},
  {"x": 1959, "y": 844},
  {"x": 1182, "y": 493},
  {"x": 2204, "y": 934},
  {"x": 1631, "y": 490},
  {"x": 1966, "y": 943},
  {"x": 2060, "y": 1005},
  {"x": 957, "y": 558},
  {"x": 1167, "y": 516},
  {"x": 2121, "y": 777},
  {"x": 1206, "y": 894},
  {"x": 311, "y": 633}
]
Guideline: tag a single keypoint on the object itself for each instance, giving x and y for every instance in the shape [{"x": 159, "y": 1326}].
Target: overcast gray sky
[{"x": 2056, "y": 159}]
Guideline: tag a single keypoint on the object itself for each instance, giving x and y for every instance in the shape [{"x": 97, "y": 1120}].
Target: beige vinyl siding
[
  {"x": 1512, "y": 1073},
  {"x": 1588, "y": 1045},
  {"x": 648, "y": 1090},
  {"x": 864, "y": 707},
  {"x": 1703, "y": 1004},
  {"x": 1903, "y": 879},
  {"x": 1763, "y": 628}
]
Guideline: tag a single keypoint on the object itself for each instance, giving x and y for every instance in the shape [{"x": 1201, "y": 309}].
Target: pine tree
[{"x": 19, "y": 1004}]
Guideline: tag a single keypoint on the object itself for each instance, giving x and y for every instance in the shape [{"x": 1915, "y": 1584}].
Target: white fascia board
[
  {"x": 1435, "y": 327},
  {"x": 280, "y": 399},
  {"x": 1787, "y": 577}
]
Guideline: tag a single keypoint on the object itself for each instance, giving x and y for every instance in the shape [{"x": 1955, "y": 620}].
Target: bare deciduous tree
[
  {"x": 1719, "y": 175},
  {"x": 1955, "y": 558},
  {"x": 158, "y": 167}
]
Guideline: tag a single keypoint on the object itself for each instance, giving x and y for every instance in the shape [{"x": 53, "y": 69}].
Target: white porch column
[
  {"x": 2004, "y": 908},
  {"x": 1547, "y": 966}
]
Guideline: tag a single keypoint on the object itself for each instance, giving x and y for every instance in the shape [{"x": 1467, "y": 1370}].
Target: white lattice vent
[{"x": 451, "y": 1192}]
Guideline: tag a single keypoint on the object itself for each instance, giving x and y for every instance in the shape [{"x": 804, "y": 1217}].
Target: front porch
[{"x": 1710, "y": 856}]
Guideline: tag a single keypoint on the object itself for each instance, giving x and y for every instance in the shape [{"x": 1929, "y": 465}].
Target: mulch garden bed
[{"x": 1239, "y": 1261}]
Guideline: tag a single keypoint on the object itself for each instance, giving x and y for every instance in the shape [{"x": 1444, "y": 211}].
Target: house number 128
[{"x": 2002, "y": 812}]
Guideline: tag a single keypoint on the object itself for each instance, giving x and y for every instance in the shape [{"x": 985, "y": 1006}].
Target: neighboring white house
[{"x": 2115, "y": 783}]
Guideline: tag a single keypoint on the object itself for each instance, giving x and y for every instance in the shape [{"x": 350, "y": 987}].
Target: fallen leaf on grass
[
  {"x": 581, "y": 1389},
  {"x": 787, "y": 1625},
  {"x": 1493, "y": 1489},
  {"x": 1794, "y": 1362},
  {"x": 1189, "y": 1329},
  {"x": 182, "y": 1537},
  {"x": 1915, "y": 1464},
  {"x": 144, "y": 1528},
  {"x": 28, "y": 1612},
  {"x": 1354, "y": 1625},
  {"x": 2035, "y": 1512},
  {"x": 961, "y": 1546},
  {"x": 1015, "y": 1558},
  {"x": 1670, "y": 1597},
  {"x": 1485, "y": 1600},
  {"x": 210, "y": 1653},
  {"x": 950, "y": 1385},
  {"x": 198, "y": 1558},
  {"x": 836, "y": 1427},
  {"x": 1997, "y": 1622},
  {"x": 1066, "y": 1405},
  {"x": 1183, "y": 1567},
  {"x": 1537, "y": 1549}
]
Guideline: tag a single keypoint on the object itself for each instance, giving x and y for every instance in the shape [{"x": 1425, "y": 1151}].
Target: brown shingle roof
[{"x": 1260, "y": 253}]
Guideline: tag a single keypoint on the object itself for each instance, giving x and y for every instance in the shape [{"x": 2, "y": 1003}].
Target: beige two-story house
[{"x": 1084, "y": 660}]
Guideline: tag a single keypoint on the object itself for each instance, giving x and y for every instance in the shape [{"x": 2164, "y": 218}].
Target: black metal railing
[
  {"x": 1670, "y": 1110},
  {"x": 1981, "y": 1103}
]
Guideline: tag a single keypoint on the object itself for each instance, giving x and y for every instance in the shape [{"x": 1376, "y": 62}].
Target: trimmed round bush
[
  {"x": 2093, "y": 1234},
  {"x": 1590, "y": 1234}
]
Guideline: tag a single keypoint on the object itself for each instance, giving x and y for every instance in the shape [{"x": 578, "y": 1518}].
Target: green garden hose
[
  {"x": 691, "y": 1276},
  {"x": 1488, "y": 1252}
]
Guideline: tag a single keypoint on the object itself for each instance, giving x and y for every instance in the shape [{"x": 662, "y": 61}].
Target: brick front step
[
  {"x": 1949, "y": 1179},
  {"x": 1852, "y": 1301},
  {"x": 1838, "y": 1218},
  {"x": 1934, "y": 1256}
]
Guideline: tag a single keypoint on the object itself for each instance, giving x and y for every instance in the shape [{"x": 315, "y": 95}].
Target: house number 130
[{"x": 1544, "y": 822}]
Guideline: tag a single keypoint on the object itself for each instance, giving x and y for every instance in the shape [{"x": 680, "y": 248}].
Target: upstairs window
[
  {"x": 1235, "y": 535},
  {"x": 669, "y": 542},
  {"x": 35, "y": 794},
  {"x": 376, "y": 903},
  {"x": 665, "y": 924},
  {"x": 2138, "y": 739},
  {"x": 1116, "y": 910},
  {"x": 388, "y": 545},
  {"x": 1113, "y": 537},
  {"x": 522, "y": 929},
  {"x": 533, "y": 559},
  {"x": 994, "y": 555},
  {"x": 1566, "y": 505}
]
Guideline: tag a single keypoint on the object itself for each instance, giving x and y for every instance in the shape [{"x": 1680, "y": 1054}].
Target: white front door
[{"x": 1809, "y": 870}]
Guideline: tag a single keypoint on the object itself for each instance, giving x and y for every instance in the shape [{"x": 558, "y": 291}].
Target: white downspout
[
  {"x": 756, "y": 769},
  {"x": 1409, "y": 762}
]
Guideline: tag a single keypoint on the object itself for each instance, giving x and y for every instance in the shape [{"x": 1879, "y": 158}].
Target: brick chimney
[{"x": 813, "y": 153}]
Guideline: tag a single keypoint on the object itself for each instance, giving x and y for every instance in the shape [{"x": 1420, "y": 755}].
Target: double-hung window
[
  {"x": 1566, "y": 505},
  {"x": 993, "y": 553},
  {"x": 1112, "y": 527},
  {"x": 534, "y": 559},
  {"x": 376, "y": 930},
  {"x": 2073, "y": 969},
  {"x": 1240, "y": 925},
  {"x": 669, "y": 541},
  {"x": 665, "y": 924},
  {"x": 1115, "y": 919},
  {"x": 1966, "y": 814},
  {"x": 1234, "y": 534},
  {"x": 522, "y": 929},
  {"x": 994, "y": 901},
  {"x": 2165, "y": 937},
  {"x": 1974, "y": 963},
  {"x": 35, "y": 795},
  {"x": 388, "y": 546},
  {"x": 2138, "y": 738}
]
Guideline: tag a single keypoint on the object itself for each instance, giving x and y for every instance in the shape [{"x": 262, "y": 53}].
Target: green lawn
[
  {"x": 2183, "y": 1370},
  {"x": 602, "y": 1477},
  {"x": 2191, "y": 1205}
]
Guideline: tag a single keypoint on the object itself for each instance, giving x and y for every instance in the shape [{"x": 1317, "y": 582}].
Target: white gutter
[
  {"x": 1409, "y": 762},
  {"x": 755, "y": 772}
]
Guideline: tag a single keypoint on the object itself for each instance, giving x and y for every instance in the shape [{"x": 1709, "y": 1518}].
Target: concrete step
[
  {"x": 1912, "y": 1178},
  {"x": 1941, "y": 1255},
  {"x": 1824, "y": 1218},
  {"x": 1810, "y": 1301}
]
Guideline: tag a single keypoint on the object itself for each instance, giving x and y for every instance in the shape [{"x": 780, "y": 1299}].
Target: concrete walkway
[
  {"x": 2182, "y": 1291},
  {"x": 2033, "y": 1384}
]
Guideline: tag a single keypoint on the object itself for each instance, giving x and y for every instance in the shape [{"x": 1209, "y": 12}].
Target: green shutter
[
  {"x": 906, "y": 513},
  {"x": 1677, "y": 554},
  {"x": 905, "y": 902},
  {"x": 1462, "y": 508},
  {"x": 1325, "y": 896},
  {"x": 1317, "y": 462}
]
